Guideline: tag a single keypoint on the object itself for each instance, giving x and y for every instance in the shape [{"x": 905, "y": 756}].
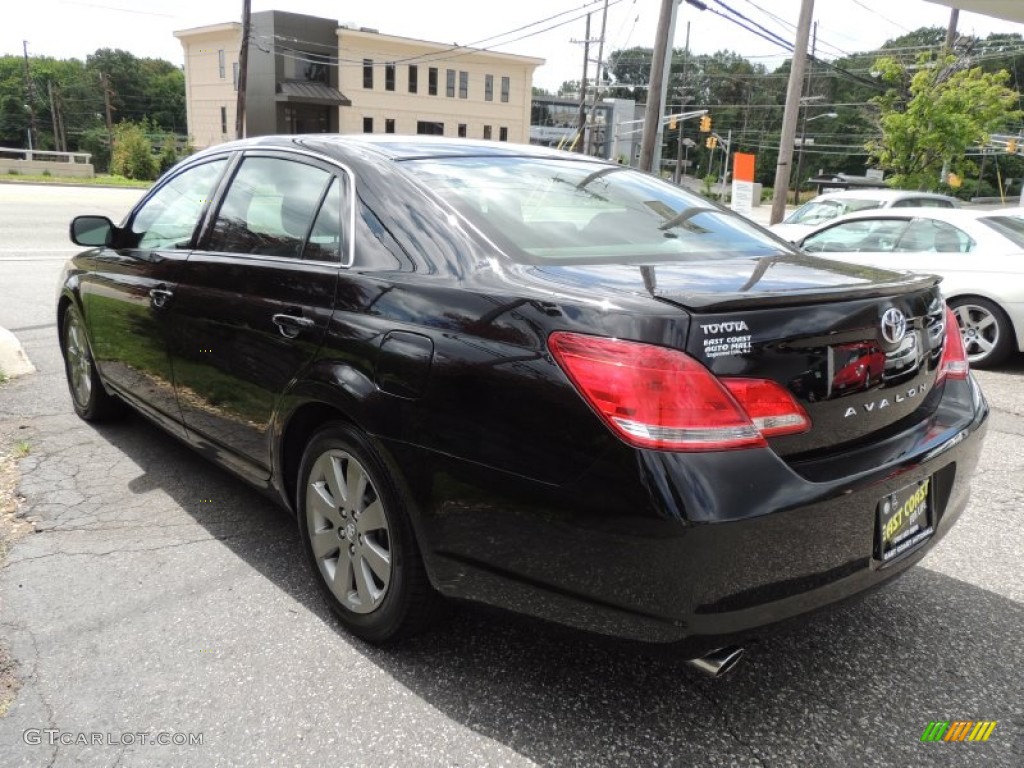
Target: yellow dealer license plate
[{"x": 905, "y": 520}]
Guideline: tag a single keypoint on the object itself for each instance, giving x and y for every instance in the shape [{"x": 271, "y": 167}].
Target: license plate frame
[{"x": 904, "y": 520}]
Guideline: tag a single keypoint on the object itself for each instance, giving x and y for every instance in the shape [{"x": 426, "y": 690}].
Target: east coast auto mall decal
[{"x": 726, "y": 339}]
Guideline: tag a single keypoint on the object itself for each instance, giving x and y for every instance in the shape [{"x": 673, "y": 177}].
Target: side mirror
[{"x": 92, "y": 231}]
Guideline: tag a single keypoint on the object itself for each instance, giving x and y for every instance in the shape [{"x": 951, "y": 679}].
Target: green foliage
[
  {"x": 168, "y": 153},
  {"x": 133, "y": 153},
  {"x": 931, "y": 117}
]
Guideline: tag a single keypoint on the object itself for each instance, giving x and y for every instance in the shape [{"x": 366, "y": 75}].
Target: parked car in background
[
  {"x": 530, "y": 379},
  {"x": 978, "y": 254},
  {"x": 831, "y": 205}
]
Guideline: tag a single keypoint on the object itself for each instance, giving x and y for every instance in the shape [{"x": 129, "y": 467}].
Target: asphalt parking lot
[{"x": 159, "y": 595}]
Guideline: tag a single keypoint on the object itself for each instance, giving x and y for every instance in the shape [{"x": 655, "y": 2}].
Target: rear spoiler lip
[{"x": 720, "y": 302}]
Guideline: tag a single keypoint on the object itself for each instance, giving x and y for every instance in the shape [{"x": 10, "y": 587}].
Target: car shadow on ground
[{"x": 864, "y": 681}]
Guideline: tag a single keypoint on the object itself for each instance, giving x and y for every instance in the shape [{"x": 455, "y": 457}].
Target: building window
[
  {"x": 220, "y": 63},
  {"x": 414, "y": 76},
  {"x": 504, "y": 89},
  {"x": 489, "y": 88},
  {"x": 462, "y": 130},
  {"x": 432, "y": 81},
  {"x": 450, "y": 84},
  {"x": 503, "y": 133},
  {"x": 487, "y": 131},
  {"x": 389, "y": 77},
  {"x": 223, "y": 119},
  {"x": 426, "y": 128},
  {"x": 234, "y": 75},
  {"x": 367, "y": 73},
  {"x": 367, "y": 125},
  {"x": 463, "y": 85},
  {"x": 389, "y": 125}
]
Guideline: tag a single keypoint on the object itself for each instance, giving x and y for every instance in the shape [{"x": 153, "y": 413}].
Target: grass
[
  {"x": 99, "y": 180},
  {"x": 22, "y": 448}
]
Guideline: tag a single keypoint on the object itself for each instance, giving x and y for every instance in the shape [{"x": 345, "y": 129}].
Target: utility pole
[
  {"x": 656, "y": 89},
  {"x": 597, "y": 80},
  {"x": 789, "y": 119},
  {"x": 30, "y": 94},
  {"x": 581, "y": 118},
  {"x": 954, "y": 18},
  {"x": 682, "y": 108},
  {"x": 663, "y": 93},
  {"x": 54, "y": 118},
  {"x": 243, "y": 66},
  {"x": 803, "y": 128},
  {"x": 105, "y": 82}
]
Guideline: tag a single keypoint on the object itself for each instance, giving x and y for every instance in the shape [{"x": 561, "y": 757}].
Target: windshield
[
  {"x": 820, "y": 211},
  {"x": 1010, "y": 227},
  {"x": 542, "y": 210}
]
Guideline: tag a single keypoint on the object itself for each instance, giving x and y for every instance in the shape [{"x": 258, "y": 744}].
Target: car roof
[
  {"x": 951, "y": 215},
  {"x": 880, "y": 194},
  {"x": 399, "y": 147}
]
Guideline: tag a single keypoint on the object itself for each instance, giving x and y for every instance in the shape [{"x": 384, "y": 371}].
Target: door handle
[
  {"x": 160, "y": 296},
  {"x": 291, "y": 326}
]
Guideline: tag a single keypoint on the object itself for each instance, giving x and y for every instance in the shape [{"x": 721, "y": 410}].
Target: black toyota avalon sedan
[{"x": 530, "y": 379}]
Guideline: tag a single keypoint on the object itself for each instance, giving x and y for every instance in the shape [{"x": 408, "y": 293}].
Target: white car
[
  {"x": 832, "y": 205},
  {"x": 979, "y": 254}
]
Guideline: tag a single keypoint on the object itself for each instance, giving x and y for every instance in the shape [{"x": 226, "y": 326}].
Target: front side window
[
  {"x": 169, "y": 217},
  {"x": 558, "y": 211},
  {"x": 860, "y": 236},
  {"x": 269, "y": 208},
  {"x": 819, "y": 211}
]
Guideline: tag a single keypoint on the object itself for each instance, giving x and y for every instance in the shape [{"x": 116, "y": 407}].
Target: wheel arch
[{"x": 1016, "y": 332}]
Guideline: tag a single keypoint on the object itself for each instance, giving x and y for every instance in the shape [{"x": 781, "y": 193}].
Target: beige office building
[
  {"x": 400, "y": 85},
  {"x": 307, "y": 75}
]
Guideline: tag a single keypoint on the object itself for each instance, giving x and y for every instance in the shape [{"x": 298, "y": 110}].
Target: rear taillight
[
  {"x": 953, "y": 364},
  {"x": 654, "y": 397}
]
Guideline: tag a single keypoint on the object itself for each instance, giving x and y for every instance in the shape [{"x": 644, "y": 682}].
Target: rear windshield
[
  {"x": 541, "y": 210},
  {"x": 1010, "y": 227},
  {"x": 820, "y": 211}
]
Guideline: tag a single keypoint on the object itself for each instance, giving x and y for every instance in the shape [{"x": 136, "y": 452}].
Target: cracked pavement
[{"x": 160, "y": 594}]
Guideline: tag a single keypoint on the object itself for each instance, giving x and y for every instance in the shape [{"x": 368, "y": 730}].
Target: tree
[
  {"x": 133, "y": 153},
  {"x": 932, "y": 117}
]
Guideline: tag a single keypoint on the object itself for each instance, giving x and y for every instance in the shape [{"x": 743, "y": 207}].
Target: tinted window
[
  {"x": 935, "y": 237},
  {"x": 922, "y": 202},
  {"x": 547, "y": 210},
  {"x": 1011, "y": 227},
  {"x": 860, "y": 236},
  {"x": 325, "y": 241},
  {"x": 169, "y": 217},
  {"x": 268, "y": 208}
]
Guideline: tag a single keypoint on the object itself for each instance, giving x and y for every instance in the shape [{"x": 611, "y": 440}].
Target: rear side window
[
  {"x": 926, "y": 235},
  {"x": 922, "y": 202},
  {"x": 552, "y": 210},
  {"x": 326, "y": 241},
  {"x": 860, "y": 236},
  {"x": 169, "y": 217},
  {"x": 819, "y": 211},
  {"x": 269, "y": 208}
]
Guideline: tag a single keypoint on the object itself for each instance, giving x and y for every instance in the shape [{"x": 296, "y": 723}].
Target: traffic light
[
  {"x": 1011, "y": 146},
  {"x": 672, "y": 122},
  {"x": 711, "y": 142},
  {"x": 705, "y": 124}
]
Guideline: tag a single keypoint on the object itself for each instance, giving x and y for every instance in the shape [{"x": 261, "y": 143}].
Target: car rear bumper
[{"x": 692, "y": 549}]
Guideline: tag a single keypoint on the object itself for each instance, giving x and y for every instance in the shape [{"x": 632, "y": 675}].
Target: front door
[
  {"x": 254, "y": 301},
  {"x": 128, "y": 297}
]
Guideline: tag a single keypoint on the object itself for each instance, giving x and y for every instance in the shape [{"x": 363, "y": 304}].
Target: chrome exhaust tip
[{"x": 718, "y": 662}]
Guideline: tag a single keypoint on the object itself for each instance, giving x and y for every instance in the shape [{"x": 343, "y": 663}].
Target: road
[{"x": 162, "y": 595}]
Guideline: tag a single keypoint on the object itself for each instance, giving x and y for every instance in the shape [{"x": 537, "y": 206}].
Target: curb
[{"x": 13, "y": 360}]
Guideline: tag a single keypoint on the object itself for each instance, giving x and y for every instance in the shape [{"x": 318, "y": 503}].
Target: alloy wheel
[
  {"x": 979, "y": 329},
  {"x": 79, "y": 360},
  {"x": 348, "y": 531}
]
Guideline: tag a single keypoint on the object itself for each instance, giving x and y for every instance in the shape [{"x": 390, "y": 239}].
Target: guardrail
[{"x": 43, "y": 155}]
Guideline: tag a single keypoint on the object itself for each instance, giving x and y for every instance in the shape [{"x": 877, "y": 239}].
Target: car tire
[
  {"x": 986, "y": 330},
  {"x": 89, "y": 397},
  {"x": 359, "y": 540}
]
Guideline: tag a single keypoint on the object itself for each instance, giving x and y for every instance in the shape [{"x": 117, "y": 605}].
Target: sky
[{"x": 75, "y": 28}]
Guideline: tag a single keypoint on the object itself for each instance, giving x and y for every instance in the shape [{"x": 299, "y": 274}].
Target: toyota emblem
[{"x": 894, "y": 326}]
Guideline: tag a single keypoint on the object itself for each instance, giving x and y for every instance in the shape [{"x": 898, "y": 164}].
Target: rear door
[{"x": 255, "y": 298}]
